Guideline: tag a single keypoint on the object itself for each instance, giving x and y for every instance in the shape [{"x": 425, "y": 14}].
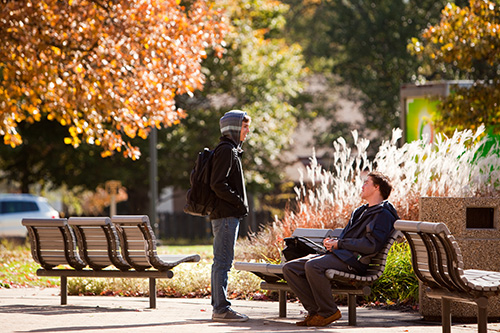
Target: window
[
  {"x": 479, "y": 218},
  {"x": 18, "y": 206}
]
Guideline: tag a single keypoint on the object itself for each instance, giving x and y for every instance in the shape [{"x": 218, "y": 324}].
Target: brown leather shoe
[
  {"x": 318, "y": 320},
  {"x": 305, "y": 321}
]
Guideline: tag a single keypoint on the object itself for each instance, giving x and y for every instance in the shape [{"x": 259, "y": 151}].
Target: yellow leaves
[
  {"x": 73, "y": 131},
  {"x": 106, "y": 153},
  {"x": 56, "y": 50},
  {"x": 415, "y": 46},
  {"x": 464, "y": 36},
  {"x": 12, "y": 140},
  {"x": 37, "y": 116},
  {"x": 447, "y": 47},
  {"x": 79, "y": 68},
  {"x": 5, "y": 72},
  {"x": 142, "y": 133},
  {"x": 74, "y": 140},
  {"x": 129, "y": 130}
]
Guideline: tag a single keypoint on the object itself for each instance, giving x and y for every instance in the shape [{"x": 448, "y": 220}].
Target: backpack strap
[{"x": 231, "y": 160}]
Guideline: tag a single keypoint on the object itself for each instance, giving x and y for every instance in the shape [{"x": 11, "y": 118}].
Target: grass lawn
[{"x": 205, "y": 251}]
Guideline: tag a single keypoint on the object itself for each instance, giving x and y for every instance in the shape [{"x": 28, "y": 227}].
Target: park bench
[
  {"x": 93, "y": 248},
  {"x": 438, "y": 264},
  {"x": 342, "y": 283}
]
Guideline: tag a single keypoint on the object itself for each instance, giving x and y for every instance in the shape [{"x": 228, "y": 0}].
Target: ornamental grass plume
[{"x": 460, "y": 166}]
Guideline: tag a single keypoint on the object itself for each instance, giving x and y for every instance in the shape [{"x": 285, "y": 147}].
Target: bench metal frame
[{"x": 64, "y": 274}]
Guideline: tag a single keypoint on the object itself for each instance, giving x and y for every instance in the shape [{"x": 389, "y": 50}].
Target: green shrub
[
  {"x": 84, "y": 286},
  {"x": 399, "y": 282}
]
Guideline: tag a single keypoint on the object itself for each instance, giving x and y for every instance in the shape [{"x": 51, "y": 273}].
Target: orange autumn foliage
[{"x": 108, "y": 70}]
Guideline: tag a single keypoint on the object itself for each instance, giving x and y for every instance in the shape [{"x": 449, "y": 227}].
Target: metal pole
[
  {"x": 113, "y": 205},
  {"x": 113, "y": 187},
  {"x": 153, "y": 180}
]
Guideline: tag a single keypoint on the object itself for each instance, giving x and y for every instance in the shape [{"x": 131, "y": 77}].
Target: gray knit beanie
[{"x": 230, "y": 124}]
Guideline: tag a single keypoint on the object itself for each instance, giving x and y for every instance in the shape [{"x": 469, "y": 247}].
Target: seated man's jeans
[
  {"x": 225, "y": 233},
  {"x": 306, "y": 277}
]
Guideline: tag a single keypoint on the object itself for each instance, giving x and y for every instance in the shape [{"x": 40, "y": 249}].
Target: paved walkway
[{"x": 39, "y": 310}]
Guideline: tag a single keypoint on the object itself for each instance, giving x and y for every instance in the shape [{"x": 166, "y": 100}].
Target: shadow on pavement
[{"x": 57, "y": 310}]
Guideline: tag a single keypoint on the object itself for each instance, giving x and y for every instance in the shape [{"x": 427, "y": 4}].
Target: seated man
[{"x": 366, "y": 234}]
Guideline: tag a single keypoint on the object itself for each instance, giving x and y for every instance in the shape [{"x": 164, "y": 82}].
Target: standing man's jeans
[{"x": 225, "y": 232}]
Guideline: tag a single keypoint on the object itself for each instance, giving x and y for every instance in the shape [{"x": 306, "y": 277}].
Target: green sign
[{"x": 419, "y": 119}]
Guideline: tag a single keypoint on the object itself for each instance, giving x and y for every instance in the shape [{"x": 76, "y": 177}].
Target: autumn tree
[
  {"x": 465, "y": 44},
  {"x": 107, "y": 70},
  {"x": 259, "y": 73}
]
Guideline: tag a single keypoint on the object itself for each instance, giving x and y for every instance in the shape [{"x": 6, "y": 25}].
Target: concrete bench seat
[
  {"x": 438, "y": 263},
  {"x": 93, "y": 247},
  {"x": 342, "y": 283}
]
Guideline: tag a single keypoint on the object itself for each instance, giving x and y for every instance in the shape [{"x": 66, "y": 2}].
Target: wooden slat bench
[
  {"x": 342, "y": 283},
  {"x": 54, "y": 242},
  {"x": 98, "y": 242},
  {"x": 438, "y": 264},
  {"x": 140, "y": 251}
]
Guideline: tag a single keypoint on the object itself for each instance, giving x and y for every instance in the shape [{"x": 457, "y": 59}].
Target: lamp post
[{"x": 153, "y": 180}]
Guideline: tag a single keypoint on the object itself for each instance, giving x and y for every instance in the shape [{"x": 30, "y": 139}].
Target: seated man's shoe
[
  {"x": 305, "y": 321},
  {"x": 229, "y": 315},
  {"x": 319, "y": 320}
]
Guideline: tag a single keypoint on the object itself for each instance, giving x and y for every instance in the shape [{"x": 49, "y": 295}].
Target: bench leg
[
  {"x": 482, "y": 315},
  {"x": 64, "y": 290},
  {"x": 351, "y": 309},
  {"x": 282, "y": 302},
  {"x": 152, "y": 293},
  {"x": 446, "y": 314}
]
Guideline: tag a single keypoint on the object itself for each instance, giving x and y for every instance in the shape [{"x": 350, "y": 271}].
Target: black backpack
[{"x": 200, "y": 199}]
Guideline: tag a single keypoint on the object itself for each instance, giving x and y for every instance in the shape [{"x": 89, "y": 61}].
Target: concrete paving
[{"x": 39, "y": 310}]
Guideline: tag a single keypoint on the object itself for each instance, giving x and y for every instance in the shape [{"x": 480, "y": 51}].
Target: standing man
[
  {"x": 366, "y": 233},
  {"x": 231, "y": 206}
]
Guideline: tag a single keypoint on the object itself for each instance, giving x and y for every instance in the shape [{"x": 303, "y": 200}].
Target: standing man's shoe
[{"x": 229, "y": 315}]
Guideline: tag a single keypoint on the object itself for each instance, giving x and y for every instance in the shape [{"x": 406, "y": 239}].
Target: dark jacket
[
  {"x": 227, "y": 181},
  {"x": 366, "y": 233}
]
